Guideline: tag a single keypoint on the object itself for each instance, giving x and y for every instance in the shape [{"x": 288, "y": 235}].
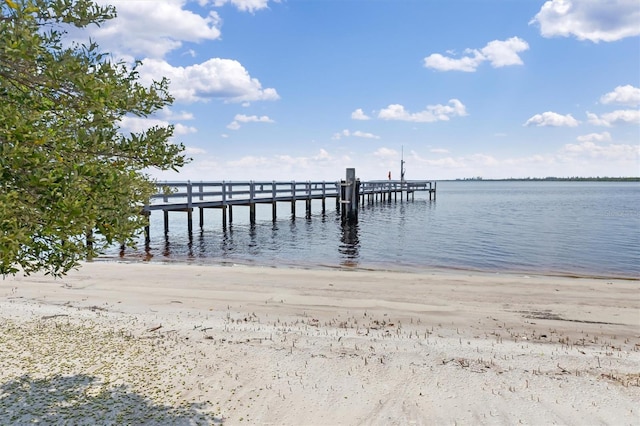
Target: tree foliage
[{"x": 66, "y": 169}]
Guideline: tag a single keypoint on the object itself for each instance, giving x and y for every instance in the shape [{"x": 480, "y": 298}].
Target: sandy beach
[{"x": 152, "y": 343}]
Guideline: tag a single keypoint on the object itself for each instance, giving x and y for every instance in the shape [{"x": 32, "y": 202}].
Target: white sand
[{"x": 156, "y": 343}]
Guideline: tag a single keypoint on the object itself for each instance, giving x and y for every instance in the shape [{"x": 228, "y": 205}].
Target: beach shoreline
[
  {"x": 391, "y": 267},
  {"x": 189, "y": 343}
]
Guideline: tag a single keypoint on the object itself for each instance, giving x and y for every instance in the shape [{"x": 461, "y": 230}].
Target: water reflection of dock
[{"x": 349, "y": 243}]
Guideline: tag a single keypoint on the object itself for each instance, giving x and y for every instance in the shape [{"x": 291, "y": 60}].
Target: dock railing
[
  {"x": 376, "y": 186},
  {"x": 224, "y": 195},
  {"x": 184, "y": 195}
]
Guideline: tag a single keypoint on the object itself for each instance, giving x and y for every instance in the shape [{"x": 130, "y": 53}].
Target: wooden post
[
  {"x": 201, "y": 217},
  {"x": 166, "y": 221},
  {"x": 308, "y": 200},
  {"x": 230, "y": 214},
  {"x": 147, "y": 233},
  {"x": 189, "y": 208},
  {"x": 293, "y": 199},
  {"x": 89, "y": 240},
  {"x": 224, "y": 193},
  {"x": 274, "y": 194},
  {"x": 252, "y": 205},
  {"x": 224, "y": 217},
  {"x": 252, "y": 213}
]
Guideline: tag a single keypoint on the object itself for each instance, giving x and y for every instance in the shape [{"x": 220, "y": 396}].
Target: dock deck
[{"x": 224, "y": 195}]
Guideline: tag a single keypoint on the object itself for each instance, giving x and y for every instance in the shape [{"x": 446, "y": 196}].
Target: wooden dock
[{"x": 223, "y": 195}]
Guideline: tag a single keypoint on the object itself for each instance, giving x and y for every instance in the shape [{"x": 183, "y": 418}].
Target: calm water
[{"x": 578, "y": 228}]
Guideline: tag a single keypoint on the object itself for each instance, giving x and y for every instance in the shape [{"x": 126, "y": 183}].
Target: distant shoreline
[{"x": 548, "y": 179}]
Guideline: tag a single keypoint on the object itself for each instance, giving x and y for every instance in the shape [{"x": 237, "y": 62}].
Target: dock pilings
[{"x": 350, "y": 194}]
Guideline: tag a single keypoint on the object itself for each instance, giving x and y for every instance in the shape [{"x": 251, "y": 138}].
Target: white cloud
[
  {"x": 594, "y": 20},
  {"x": 584, "y": 158},
  {"x": 431, "y": 114},
  {"x": 140, "y": 124},
  {"x": 615, "y": 152},
  {"x": 318, "y": 165},
  {"x": 365, "y": 135},
  {"x": 552, "y": 119},
  {"x": 323, "y": 155},
  {"x": 504, "y": 53},
  {"x": 386, "y": 154},
  {"x": 484, "y": 160},
  {"x": 442, "y": 63},
  {"x": 153, "y": 28},
  {"x": 181, "y": 129},
  {"x": 244, "y": 5},
  {"x": 439, "y": 151},
  {"x": 359, "y": 115},
  {"x": 249, "y": 162},
  {"x": 252, "y": 119},
  {"x": 595, "y": 137},
  {"x": 194, "y": 151},
  {"x": 357, "y": 134},
  {"x": 214, "y": 79},
  {"x": 628, "y": 116},
  {"x": 623, "y": 95},
  {"x": 168, "y": 114},
  {"x": 596, "y": 121},
  {"x": 498, "y": 53},
  {"x": 241, "y": 118},
  {"x": 339, "y": 135}
]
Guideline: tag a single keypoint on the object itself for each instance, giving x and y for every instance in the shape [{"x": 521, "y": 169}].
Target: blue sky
[{"x": 302, "y": 89}]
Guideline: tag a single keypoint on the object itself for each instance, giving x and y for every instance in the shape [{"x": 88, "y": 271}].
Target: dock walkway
[{"x": 185, "y": 196}]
